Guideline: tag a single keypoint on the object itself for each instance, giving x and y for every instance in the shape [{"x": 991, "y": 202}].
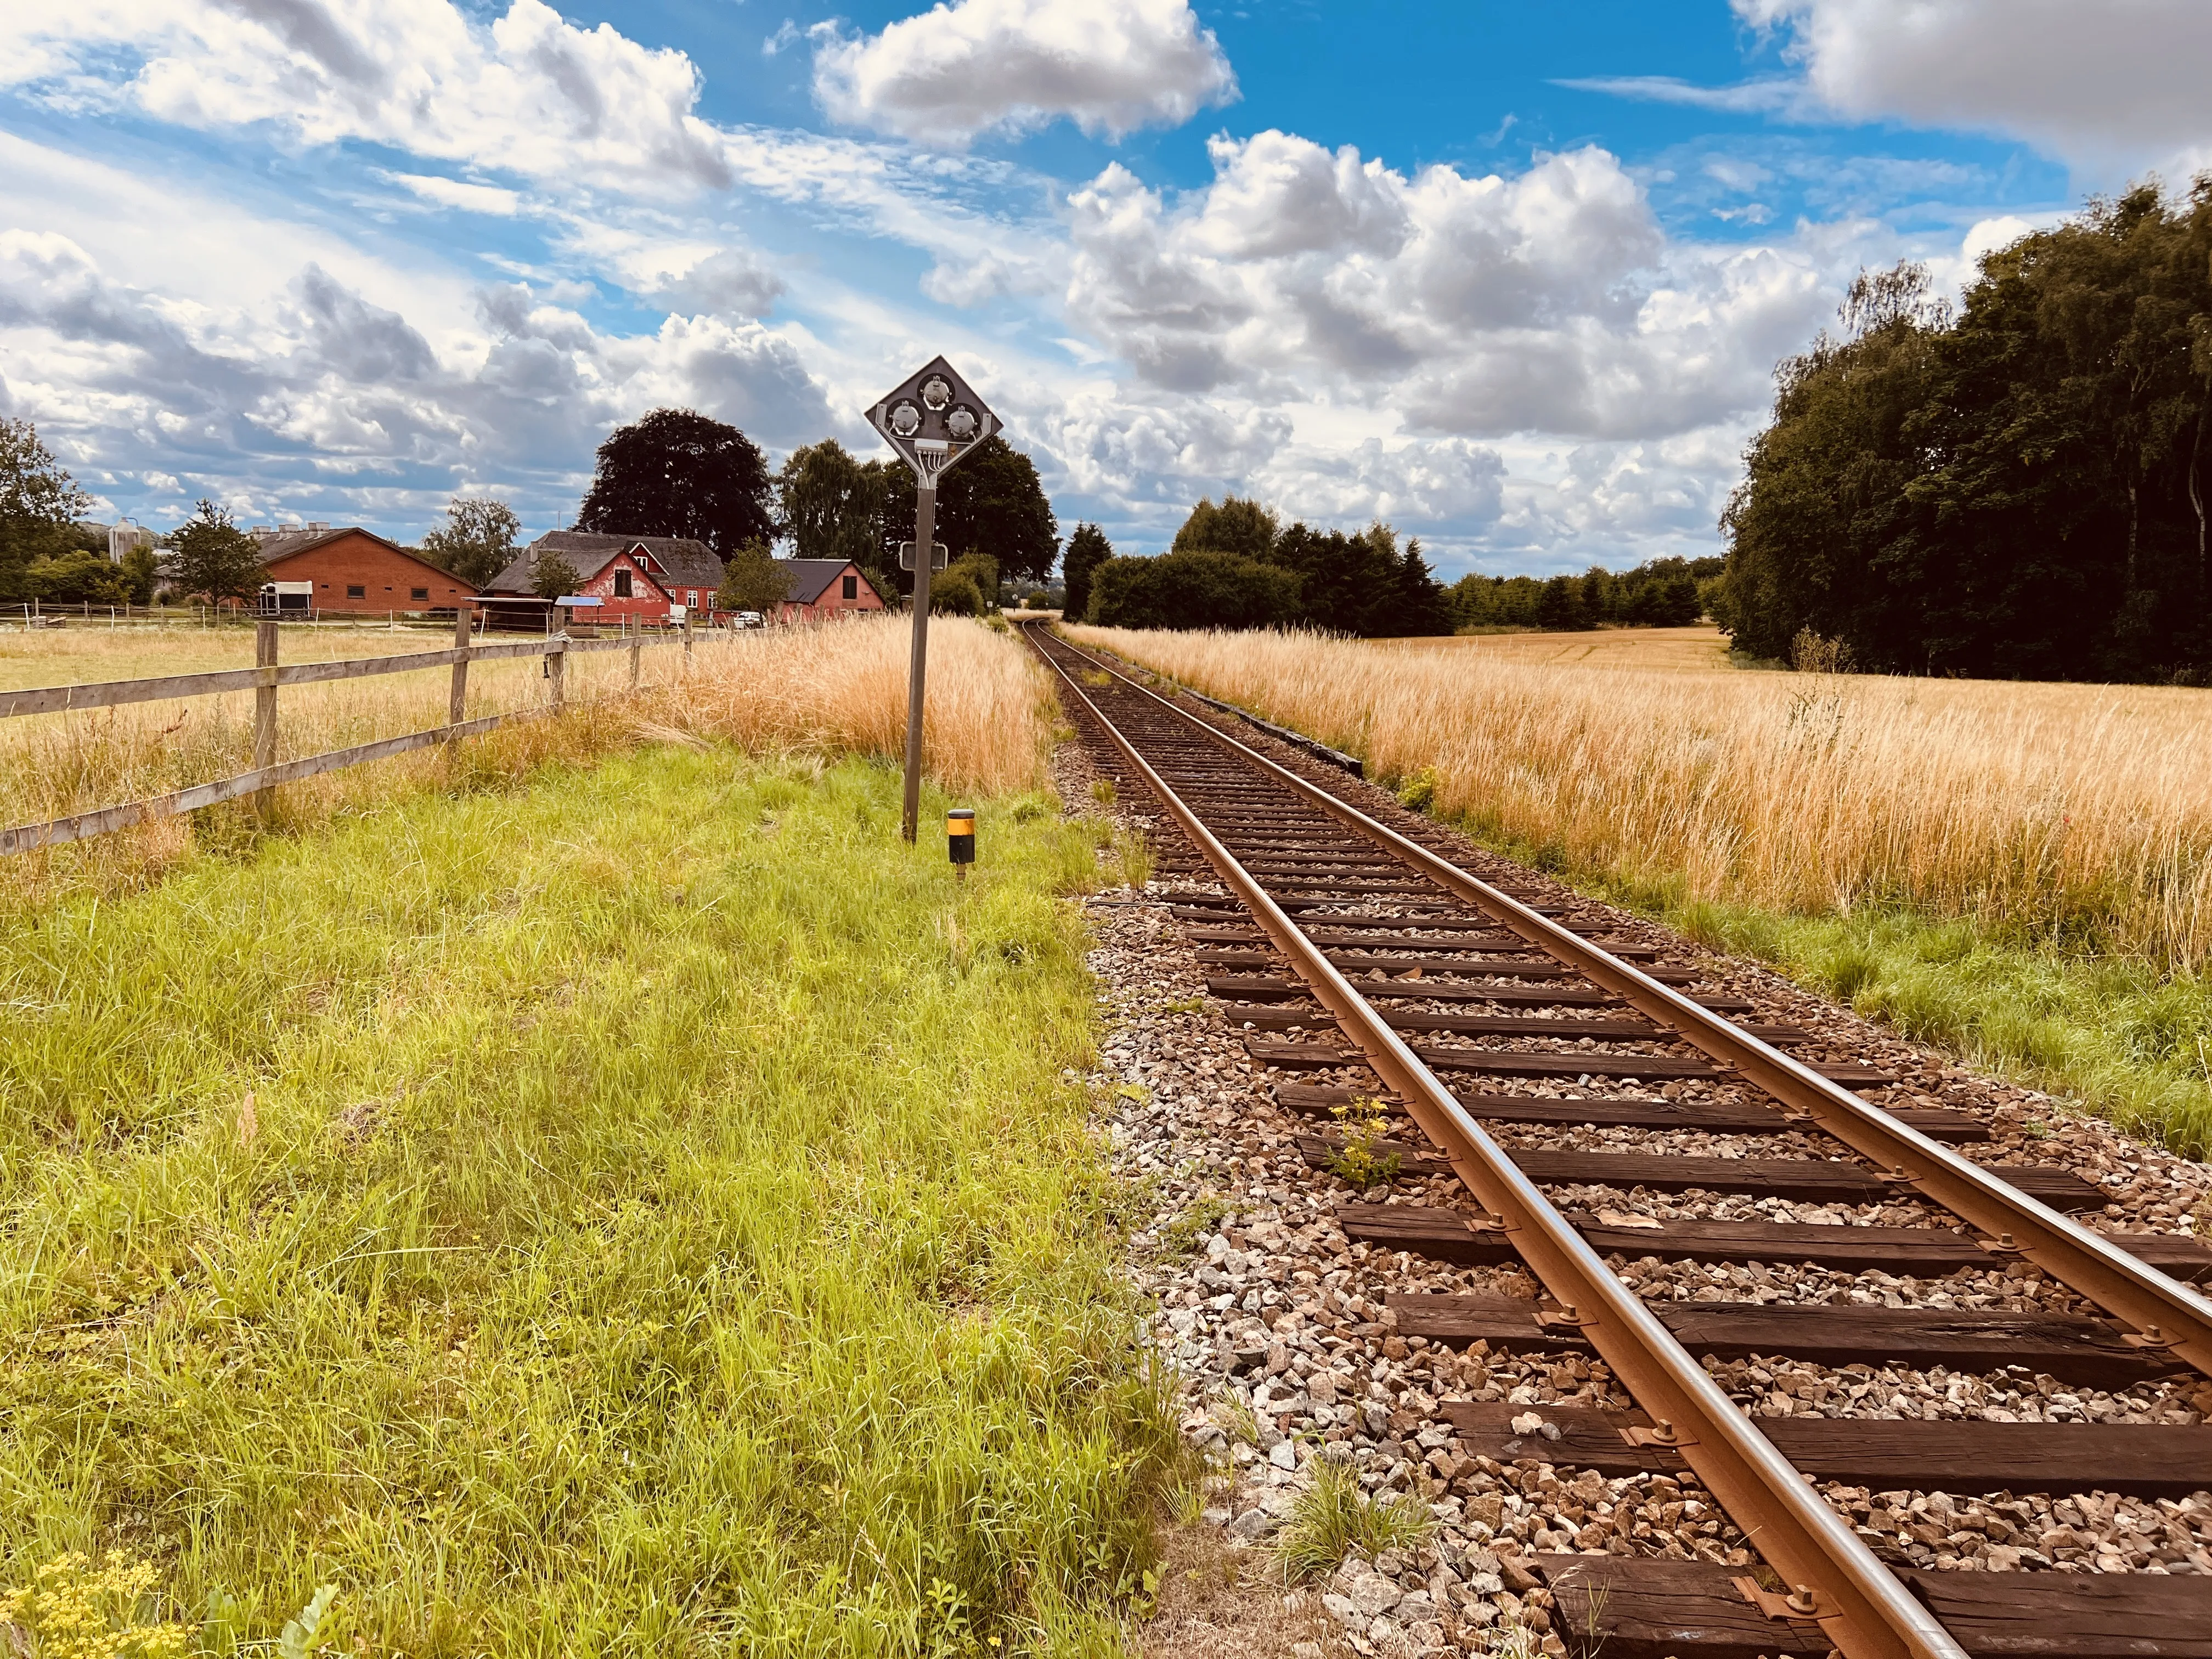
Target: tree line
[
  {"x": 2015, "y": 489},
  {"x": 673, "y": 472},
  {"x": 1658, "y": 593},
  {"x": 1237, "y": 565}
]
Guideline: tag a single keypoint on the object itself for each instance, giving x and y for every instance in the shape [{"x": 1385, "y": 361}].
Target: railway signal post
[{"x": 931, "y": 419}]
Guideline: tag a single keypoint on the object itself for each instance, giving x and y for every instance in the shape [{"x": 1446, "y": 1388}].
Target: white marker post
[{"x": 932, "y": 420}]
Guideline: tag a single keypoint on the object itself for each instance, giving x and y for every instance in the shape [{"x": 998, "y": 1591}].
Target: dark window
[
  {"x": 851, "y": 587},
  {"x": 356, "y": 591},
  {"x": 418, "y": 593},
  {"x": 621, "y": 583}
]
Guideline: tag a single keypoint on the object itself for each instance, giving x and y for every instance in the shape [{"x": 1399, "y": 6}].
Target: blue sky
[{"x": 1512, "y": 278}]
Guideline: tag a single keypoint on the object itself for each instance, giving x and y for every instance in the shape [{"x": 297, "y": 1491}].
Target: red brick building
[
  {"x": 638, "y": 577},
  {"x": 822, "y": 588},
  {"x": 356, "y": 570}
]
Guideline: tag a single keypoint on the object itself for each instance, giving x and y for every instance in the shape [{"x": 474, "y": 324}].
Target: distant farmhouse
[
  {"x": 822, "y": 588},
  {"x": 642, "y": 577},
  {"x": 352, "y": 569},
  {"x": 636, "y": 578}
]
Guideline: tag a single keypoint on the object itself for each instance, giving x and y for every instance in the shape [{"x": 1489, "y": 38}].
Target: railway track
[{"x": 1358, "y": 957}]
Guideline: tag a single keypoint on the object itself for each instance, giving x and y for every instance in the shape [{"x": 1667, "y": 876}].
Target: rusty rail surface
[{"x": 1864, "y": 1609}]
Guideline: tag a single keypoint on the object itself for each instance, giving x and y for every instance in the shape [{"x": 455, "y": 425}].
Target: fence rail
[{"x": 262, "y": 680}]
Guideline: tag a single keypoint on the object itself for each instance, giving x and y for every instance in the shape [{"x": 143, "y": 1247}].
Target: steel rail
[
  {"x": 2167, "y": 1315},
  {"x": 1862, "y": 1608}
]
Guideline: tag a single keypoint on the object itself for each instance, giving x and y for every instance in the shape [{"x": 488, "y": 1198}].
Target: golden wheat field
[
  {"x": 834, "y": 689},
  {"x": 1702, "y": 649},
  {"x": 2079, "y": 810}
]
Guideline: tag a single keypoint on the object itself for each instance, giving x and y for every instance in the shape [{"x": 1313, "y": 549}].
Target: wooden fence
[
  {"x": 263, "y": 680},
  {"x": 36, "y": 614}
]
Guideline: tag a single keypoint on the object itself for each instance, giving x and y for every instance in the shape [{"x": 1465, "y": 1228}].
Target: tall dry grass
[
  {"x": 834, "y": 688},
  {"x": 2082, "y": 814}
]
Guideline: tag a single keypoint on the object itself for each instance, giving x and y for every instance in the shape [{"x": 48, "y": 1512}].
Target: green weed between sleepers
[{"x": 639, "y": 1211}]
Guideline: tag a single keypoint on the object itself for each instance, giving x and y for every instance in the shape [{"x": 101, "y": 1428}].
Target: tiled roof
[
  {"x": 684, "y": 563},
  {"x": 810, "y": 578}
]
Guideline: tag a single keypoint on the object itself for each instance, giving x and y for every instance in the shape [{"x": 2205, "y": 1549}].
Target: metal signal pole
[
  {"x": 932, "y": 420},
  {"x": 925, "y": 532}
]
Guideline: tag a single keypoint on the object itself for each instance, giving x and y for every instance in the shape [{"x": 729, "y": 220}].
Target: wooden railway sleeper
[
  {"x": 1871, "y": 1612},
  {"x": 2073, "y": 1254}
]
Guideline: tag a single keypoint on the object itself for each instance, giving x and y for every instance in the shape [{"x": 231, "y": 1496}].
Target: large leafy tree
[
  {"x": 210, "y": 557},
  {"x": 2019, "y": 491},
  {"x": 1361, "y": 584},
  {"x": 39, "y": 504},
  {"x": 1196, "y": 588},
  {"x": 679, "y": 473},
  {"x": 1239, "y": 526},
  {"x": 1087, "y": 549},
  {"x": 477, "y": 541},
  {"x": 832, "y": 508},
  {"x": 991, "y": 502}
]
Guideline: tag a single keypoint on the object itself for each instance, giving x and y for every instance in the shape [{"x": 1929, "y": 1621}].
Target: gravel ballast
[{"x": 1286, "y": 1358}]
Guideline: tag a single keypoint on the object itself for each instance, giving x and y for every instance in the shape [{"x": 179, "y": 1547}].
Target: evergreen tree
[{"x": 1087, "y": 549}]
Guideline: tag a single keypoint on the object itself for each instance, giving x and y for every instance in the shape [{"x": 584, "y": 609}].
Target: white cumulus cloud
[
  {"x": 527, "y": 92},
  {"x": 1474, "y": 306},
  {"x": 2118, "y": 82},
  {"x": 957, "y": 71}
]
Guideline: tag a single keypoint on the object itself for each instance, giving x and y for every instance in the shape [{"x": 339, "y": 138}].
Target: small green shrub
[
  {"x": 1333, "y": 1517},
  {"x": 1194, "y": 1223},
  {"x": 1417, "y": 793},
  {"x": 1361, "y": 1160}
]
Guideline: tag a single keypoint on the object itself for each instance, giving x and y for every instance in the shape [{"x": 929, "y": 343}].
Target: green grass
[
  {"x": 2112, "y": 1035},
  {"x": 1333, "y": 1517},
  {"x": 640, "y": 1212}
]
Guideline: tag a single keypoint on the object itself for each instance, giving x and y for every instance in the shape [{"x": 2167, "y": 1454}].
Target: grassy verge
[
  {"x": 642, "y": 1211},
  {"x": 2113, "y": 1035},
  {"x": 2020, "y": 874}
]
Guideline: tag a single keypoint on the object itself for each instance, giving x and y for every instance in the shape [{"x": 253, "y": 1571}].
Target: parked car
[{"x": 751, "y": 619}]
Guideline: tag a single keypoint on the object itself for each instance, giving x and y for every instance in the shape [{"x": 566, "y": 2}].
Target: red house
[
  {"x": 638, "y": 577},
  {"x": 821, "y": 588},
  {"x": 356, "y": 570}
]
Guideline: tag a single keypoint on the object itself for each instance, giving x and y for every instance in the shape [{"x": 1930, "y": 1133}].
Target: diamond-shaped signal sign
[{"x": 933, "y": 418}]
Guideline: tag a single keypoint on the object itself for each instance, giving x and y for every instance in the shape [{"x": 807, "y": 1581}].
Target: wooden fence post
[
  {"x": 687, "y": 639},
  {"x": 636, "y": 657},
  {"x": 556, "y": 666},
  {"x": 264, "y": 710},
  {"x": 457, "y": 703}
]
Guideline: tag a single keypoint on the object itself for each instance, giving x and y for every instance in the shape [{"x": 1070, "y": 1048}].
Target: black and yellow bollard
[{"x": 960, "y": 839}]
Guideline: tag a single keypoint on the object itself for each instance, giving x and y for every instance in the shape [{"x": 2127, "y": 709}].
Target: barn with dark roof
[
  {"x": 822, "y": 588},
  {"x": 635, "y": 577}
]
